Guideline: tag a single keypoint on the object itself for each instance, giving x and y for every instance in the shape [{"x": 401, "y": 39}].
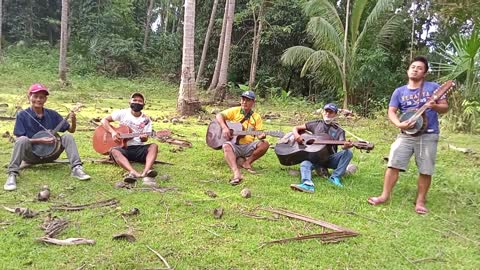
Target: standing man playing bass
[
  {"x": 246, "y": 146},
  {"x": 136, "y": 149},
  {"x": 337, "y": 160},
  {"x": 424, "y": 146},
  {"x": 35, "y": 119}
]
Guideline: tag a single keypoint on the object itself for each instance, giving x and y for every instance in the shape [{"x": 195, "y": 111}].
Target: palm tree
[
  {"x": 337, "y": 44},
  {"x": 62, "y": 65},
  {"x": 206, "y": 42},
  {"x": 1, "y": 20},
  {"x": 188, "y": 103},
  {"x": 462, "y": 62},
  {"x": 220, "y": 90}
]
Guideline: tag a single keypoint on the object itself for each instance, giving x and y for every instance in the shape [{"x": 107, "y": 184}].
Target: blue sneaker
[
  {"x": 303, "y": 188},
  {"x": 335, "y": 180}
]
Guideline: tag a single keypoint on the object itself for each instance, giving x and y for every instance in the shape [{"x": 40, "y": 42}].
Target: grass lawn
[{"x": 180, "y": 224}]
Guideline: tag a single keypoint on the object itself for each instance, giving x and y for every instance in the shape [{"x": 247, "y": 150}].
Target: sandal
[
  {"x": 421, "y": 210},
  {"x": 151, "y": 173},
  {"x": 130, "y": 178},
  {"x": 235, "y": 181}
]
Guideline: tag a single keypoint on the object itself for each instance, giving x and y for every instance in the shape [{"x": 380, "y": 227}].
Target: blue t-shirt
[
  {"x": 406, "y": 99},
  {"x": 26, "y": 126}
]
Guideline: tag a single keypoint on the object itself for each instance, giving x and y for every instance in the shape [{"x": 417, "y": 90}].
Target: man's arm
[
  {"x": 392, "y": 115},
  {"x": 296, "y": 132},
  {"x": 440, "y": 107},
  {"x": 73, "y": 124},
  {"x": 106, "y": 124},
  {"x": 225, "y": 130}
]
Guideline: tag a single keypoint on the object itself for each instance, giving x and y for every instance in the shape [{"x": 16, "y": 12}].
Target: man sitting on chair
[{"x": 136, "y": 150}]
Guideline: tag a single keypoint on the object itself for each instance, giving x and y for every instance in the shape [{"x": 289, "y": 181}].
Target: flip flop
[
  {"x": 151, "y": 173},
  {"x": 374, "y": 201},
  {"x": 129, "y": 178},
  {"x": 421, "y": 210},
  {"x": 235, "y": 181}
]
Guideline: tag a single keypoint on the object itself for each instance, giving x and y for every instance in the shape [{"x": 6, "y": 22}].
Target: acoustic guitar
[
  {"x": 216, "y": 140},
  {"x": 290, "y": 152},
  {"x": 418, "y": 116},
  {"x": 51, "y": 150},
  {"x": 103, "y": 141}
]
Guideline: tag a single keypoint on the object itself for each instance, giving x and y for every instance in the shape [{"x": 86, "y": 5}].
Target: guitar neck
[
  {"x": 254, "y": 133},
  {"x": 133, "y": 135},
  {"x": 329, "y": 142}
]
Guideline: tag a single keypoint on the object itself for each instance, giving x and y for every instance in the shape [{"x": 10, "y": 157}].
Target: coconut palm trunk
[
  {"x": 62, "y": 65},
  {"x": 147, "y": 24},
  {"x": 218, "y": 64},
  {"x": 256, "y": 45},
  {"x": 207, "y": 41},
  {"x": 220, "y": 90},
  {"x": 1, "y": 20},
  {"x": 188, "y": 103}
]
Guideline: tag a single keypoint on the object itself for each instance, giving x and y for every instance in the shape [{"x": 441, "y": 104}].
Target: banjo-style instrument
[
  {"x": 49, "y": 150},
  {"x": 419, "y": 116}
]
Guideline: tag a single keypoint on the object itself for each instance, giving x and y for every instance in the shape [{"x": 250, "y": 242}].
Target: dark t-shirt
[
  {"x": 26, "y": 126},
  {"x": 320, "y": 127}
]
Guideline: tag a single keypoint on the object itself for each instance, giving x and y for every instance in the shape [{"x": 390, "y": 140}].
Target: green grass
[{"x": 180, "y": 225}]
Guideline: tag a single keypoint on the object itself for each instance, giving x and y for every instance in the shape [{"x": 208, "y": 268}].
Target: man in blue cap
[
  {"x": 337, "y": 161},
  {"x": 246, "y": 147}
]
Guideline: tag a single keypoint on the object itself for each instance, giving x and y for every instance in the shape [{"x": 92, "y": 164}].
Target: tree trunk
[
  {"x": 175, "y": 19},
  {"x": 188, "y": 103},
  {"x": 62, "y": 65},
  {"x": 1, "y": 20},
  {"x": 165, "y": 19},
  {"x": 207, "y": 41},
  {"x": 256, "y": 45},
  {"x": 220, "y": 90},
  {"x": 344, "y": 64},
  {"x": 147, "y": 24},
  {"x": 218, "y": 64}
]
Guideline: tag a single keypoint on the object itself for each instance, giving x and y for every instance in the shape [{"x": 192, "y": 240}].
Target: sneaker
[
  {"x": 335, "y": 180},
  {"x": 149, "y": 181},
  {"x": 79, "y": 173},
  {"x": 11, "y": 183},
  {"x": 303, "y": 188}
]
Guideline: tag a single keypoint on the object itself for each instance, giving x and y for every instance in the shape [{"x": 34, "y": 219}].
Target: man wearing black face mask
[{"x": 136, "y": 149}]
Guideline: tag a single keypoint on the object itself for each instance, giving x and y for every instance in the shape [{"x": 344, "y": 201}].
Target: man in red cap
[{"x": 32, "y": 120}]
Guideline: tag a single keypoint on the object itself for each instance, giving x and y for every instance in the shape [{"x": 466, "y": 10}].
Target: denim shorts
[
  {"x": 424, "y": 147},
  {"x": 243, "y": 150}
]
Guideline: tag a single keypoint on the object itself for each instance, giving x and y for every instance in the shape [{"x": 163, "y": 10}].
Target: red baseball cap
[{"x": 37, "y": 87}]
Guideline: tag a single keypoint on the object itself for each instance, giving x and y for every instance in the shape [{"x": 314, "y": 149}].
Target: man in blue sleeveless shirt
[
  {"x": 410, "y": 97},
  {"x": 32, "y": 120}
]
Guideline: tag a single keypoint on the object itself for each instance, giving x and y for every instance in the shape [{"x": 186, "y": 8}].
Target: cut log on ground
[{"x": 330, "y": 237}]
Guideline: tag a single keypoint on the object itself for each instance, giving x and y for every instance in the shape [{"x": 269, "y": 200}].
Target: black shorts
[{"x": 136, "y": 153}]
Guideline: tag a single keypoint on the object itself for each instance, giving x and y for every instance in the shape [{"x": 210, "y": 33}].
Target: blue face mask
[{"x": 136, "y": 107}]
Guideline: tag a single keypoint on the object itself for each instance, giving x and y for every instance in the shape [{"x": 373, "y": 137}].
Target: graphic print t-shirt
[
  {"x": 136, "y": 124},
  {"x": 406, "y": 99}
]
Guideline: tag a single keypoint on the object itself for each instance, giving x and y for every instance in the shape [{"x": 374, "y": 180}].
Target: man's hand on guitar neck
[
  {"x": 226, "y": 133},
  {"x": 347, "y": 145}
]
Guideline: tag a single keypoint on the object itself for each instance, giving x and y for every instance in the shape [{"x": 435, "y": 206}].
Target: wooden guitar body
[
  {"x": 103, "y": 141},
  {"x": 291, "y": 152},
  {"x": 215, "y": 137}
]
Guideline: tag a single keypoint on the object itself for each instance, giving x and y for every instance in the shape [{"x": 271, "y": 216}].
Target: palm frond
[
  {"x": 324, "y": 35},
  {"x": 320, "y": 58},
  {"x": 296, "y": 55},
  {"x": 357, "y": 12},
  {"x": 324, "y": 9},
  {"x": 389, "y": 29}
]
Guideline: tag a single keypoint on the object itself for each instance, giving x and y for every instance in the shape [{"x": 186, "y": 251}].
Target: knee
[
  {"x": 22, "y": 140},
  {"x": 227, "y": 148},
  {"x": 153, "y": 147},
  {"x": 263, "y": 144},
  {"x": 115, "y": 153},
  {"x": 348, "y": 154},
  {"x": 67, "y": 137}
]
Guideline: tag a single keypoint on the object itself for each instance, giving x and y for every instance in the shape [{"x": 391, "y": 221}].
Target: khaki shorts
[
  {"x": 243, "y": 150},
  {"x": 424, "y": 147}
]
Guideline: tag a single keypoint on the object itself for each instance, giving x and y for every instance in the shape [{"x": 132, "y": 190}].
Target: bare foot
[
  {"x": 420, "y": 208},
  {"x": 376, "y": 200}
]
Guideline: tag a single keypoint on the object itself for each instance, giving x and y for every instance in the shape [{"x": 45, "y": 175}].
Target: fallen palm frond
[
  {"x": 24, "y": 212},
  {"x": 67, "y": 207},
  {"x": 66, "y": 242},
  {"x": 330, "y": 237},
  {"x": 53, "y": 226}
]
